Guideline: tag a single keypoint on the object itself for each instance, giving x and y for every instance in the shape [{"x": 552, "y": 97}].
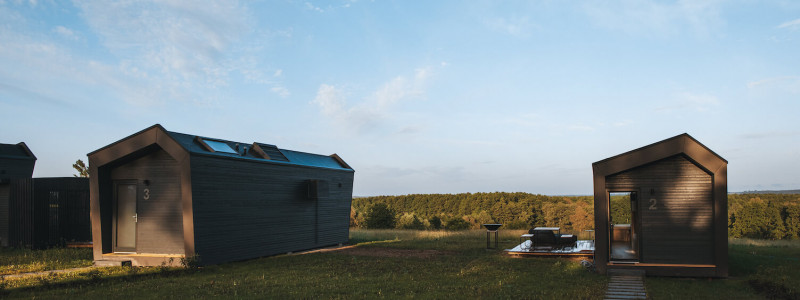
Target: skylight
[{"x": 219, "y": 146}]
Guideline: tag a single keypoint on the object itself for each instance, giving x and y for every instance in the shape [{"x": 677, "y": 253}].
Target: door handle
[{"x": 136, "y": 218}]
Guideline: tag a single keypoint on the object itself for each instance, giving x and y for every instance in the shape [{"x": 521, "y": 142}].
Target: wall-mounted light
[{"x": 147, "y": 182}]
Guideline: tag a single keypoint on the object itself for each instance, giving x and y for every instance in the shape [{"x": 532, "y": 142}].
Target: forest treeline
[{"x": 770, "y": 216}]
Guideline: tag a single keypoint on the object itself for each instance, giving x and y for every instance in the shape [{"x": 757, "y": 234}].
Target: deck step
[
  {"x": 112, "y": 263},
  {"x": 626, "y": 284}
]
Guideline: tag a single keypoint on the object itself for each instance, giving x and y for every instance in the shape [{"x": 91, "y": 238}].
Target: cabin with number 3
[{"x": 162, "y": 197}]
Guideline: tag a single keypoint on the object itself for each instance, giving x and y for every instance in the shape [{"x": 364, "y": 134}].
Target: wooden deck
[{"x": 584, "y": 248}]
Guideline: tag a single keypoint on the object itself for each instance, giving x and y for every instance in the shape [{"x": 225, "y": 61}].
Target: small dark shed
[
  {"x": 16, "y": 161},
  {"x": 671, "y": 208},
  {"x": 160, "y": 196},
  {"x": 48, "y": 212}
]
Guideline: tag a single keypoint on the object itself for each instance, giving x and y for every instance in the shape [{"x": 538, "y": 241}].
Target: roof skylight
[{"x": 219, "y": 146}]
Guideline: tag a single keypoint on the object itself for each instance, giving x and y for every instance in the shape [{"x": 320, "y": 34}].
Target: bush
[
  {"x": 380, "y": 216},
  {"x": 410, "y": 221},
  {"x": 457, "y": 224},
  {"x": 435, "y": 222}
]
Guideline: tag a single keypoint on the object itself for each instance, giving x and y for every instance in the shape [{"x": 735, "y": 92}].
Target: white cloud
[
  {"x": 66, "y": 33},
  {"x": 375, "y": 107},
  {"x": 313, "y": 7},
  {"x": 787, "y": 83},
  {"x": 518, "y": 27},
  {"x": 280, "y": 91},
  {"x": 691, "y": 101},
  {"x": 278, "y": 73},
  {"x": 187, "y": 49},
  {"x": 651, "y": 17},
  {"x": 794, "y": 24}
]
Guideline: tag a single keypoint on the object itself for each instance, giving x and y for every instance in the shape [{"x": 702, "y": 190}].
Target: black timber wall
[
  {"x": 160, "y": 218},
  {"x": 46, "y": 212},
  {"x": 4, "y": 190},
  {"x": 678, "y": 227},
  {"x": 11, "y": 168},
  {"x": 245, "y": 209}
]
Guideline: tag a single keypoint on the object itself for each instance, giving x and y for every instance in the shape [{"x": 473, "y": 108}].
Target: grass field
[
  {"x": 418, "y": 264},
  {"x": 15, "y": 261}
]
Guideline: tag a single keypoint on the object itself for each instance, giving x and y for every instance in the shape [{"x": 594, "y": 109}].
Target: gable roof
[
  {"x": 195, "y": 144},
  {"x": 681, "y": 144},
  {"x": 16, "y": 151}
]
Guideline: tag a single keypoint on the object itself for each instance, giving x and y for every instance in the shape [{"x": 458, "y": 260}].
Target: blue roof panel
[{"x": 294, "y": 157}]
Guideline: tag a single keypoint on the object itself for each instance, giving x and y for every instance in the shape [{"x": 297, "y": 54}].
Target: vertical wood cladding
[
  {"x": 16, "y": 168},
  {"x": 160, "y": 219},
  {"x": 247, "y": 209},
  {"x": 676, "y": 206},
  {"x": 4, "y": 215}
]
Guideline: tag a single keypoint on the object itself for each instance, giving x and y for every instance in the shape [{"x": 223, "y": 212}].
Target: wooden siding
[
  {"x": 160, "y": 220},
  {"x": 679, "y": 227},
  {"x": 4, "y": 215},
  {"x": 11, "y": 168},
  {"x": 245, "y": 210},
  {"x": 47, "y": 212}
]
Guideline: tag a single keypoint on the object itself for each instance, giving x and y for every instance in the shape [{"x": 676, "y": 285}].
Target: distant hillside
[{"x": 769, "y": 192}]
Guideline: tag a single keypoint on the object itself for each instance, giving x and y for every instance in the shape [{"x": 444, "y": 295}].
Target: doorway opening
[
  {"x": 125, "y": 217},
  {"x": 624, "y": 226}
]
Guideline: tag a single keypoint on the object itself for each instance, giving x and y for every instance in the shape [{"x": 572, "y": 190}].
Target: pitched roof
[
  {"x": 257, "y": 152},
  {"x": 245, "y": 151},
  {"x": 680, "y": 144},
  {"x": 16, "y": 151}
]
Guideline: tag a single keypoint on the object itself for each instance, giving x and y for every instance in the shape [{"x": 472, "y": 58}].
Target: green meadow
[{"x": 397, "y": 264}]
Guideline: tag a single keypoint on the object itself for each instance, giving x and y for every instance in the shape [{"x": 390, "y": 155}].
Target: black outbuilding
[
  {"x": 160, "y": 196},
  {"x": 675, "y": 201},
  {"x": 16, "y": 161}
]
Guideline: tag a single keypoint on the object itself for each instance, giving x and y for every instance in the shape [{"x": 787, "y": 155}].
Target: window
[{"x": 216, "y": 146}]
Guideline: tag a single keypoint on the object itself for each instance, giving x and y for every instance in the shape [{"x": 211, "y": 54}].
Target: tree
[
  {"x": 380, "y": 216},
  {"x": 83, "y": 170}
]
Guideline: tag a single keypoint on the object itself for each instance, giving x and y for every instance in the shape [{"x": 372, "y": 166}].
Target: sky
[{"x": 417, "y": 96}]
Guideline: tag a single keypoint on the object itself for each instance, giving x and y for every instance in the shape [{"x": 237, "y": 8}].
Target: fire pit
[{"x": 489, "y": 229}]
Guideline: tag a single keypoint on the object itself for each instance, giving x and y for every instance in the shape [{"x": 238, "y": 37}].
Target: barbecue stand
[{"x": 489, "y": 229}]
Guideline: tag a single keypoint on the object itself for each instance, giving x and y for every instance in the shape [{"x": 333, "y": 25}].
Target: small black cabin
[
  {"x": 161, "y": 196},
  {"x": 670, "y": 204},
  {"x": 16, "y": 161}
]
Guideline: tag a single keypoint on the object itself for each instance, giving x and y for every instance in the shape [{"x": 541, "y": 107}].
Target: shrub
[
  {"x": 380, "y": 216},
  {"x": 435, "y": 222},
  {"x": 410, "y": 221},
  {"x": 457, "y": 224}
]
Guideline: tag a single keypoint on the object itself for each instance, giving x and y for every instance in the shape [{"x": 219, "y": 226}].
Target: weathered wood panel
[
  {"x": 247, "y": 209},
  {"x": 11, "y": 168},
  {"x": 4, "y": 215},
  {"x": 676, "y": 208},
  {"x": 160, "y": 219}
]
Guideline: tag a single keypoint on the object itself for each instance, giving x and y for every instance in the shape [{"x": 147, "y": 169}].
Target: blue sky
[{"x": 417, "y": 96}]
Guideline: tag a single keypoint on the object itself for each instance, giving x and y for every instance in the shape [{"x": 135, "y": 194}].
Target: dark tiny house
[
  {"x": 159, "y": 195},
  {"x": 676, "y": 193},
  {"x": 40, "y": 212},
  {"x": 16, "y": 161}
]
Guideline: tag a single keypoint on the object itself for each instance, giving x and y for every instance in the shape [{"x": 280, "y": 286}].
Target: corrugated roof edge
[
  {"x": 339, "y": 160},
  {"x": 660, "y": 142},
  {"x": 22, "y": 146},
  {"x": 127, "y": 137}
]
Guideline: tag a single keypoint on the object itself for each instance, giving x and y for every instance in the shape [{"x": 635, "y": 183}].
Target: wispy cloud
[
  {"x": 66, "y": 33},
  {"x": 771, "y": 134},
  {"x": 515, "y": 26},
  {"x": 313, "y": 7},
  {"x": 650, "y": 17},
  {"x": 786, "y": 83},
  {"x": 374, "y": 108},
  {"x": 684, "y": 101},
  {"x": 188, "y": 49},
  {"x": 793, "y": 25}
]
